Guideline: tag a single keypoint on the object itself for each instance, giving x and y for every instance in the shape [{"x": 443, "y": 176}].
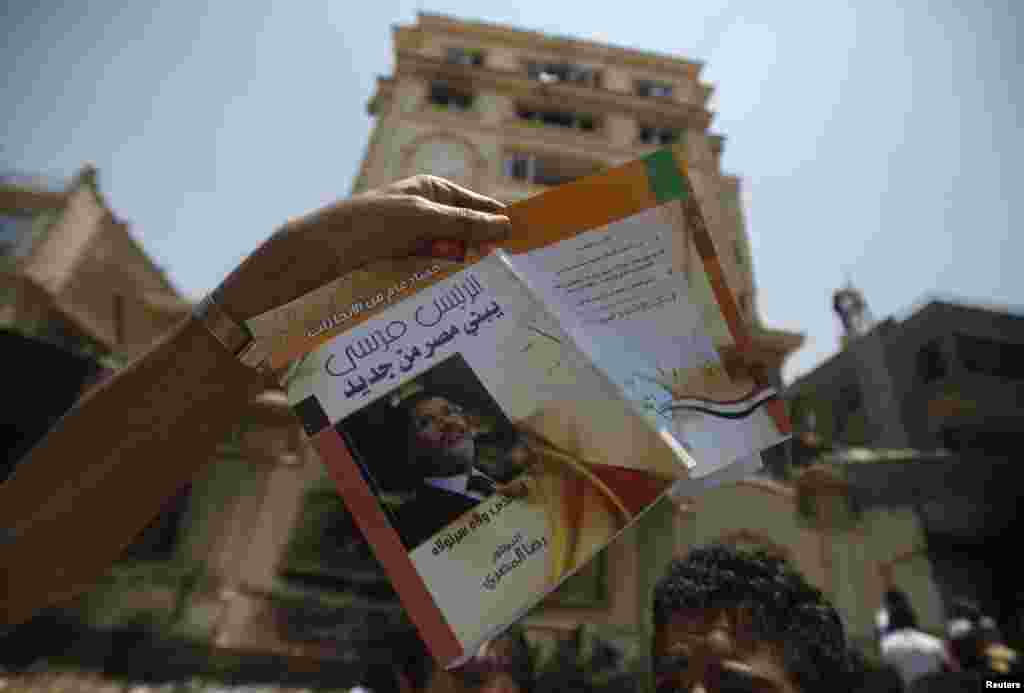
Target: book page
[{"x": 616, "y": 289}]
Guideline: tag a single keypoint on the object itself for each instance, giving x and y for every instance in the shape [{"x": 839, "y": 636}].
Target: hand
[{"x": 390, "y": 222}]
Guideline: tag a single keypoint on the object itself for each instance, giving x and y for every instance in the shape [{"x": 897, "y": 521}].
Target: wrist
[{"x": 220, "y": 358}]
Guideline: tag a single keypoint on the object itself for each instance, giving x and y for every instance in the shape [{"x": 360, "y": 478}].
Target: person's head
[
  {"x": 900, "y": 614},
  {"x": 502, "y": 665},
  {"x": 729, "y": 620},
  {"x": 440, "y": 433},
  {"x": 970, "y": 632}
]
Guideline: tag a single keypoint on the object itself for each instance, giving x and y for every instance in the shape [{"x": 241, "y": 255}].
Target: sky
[{"x": 875, "y": 142}]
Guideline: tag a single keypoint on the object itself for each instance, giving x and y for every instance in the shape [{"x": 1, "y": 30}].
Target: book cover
[
  {"x": 512, "y": 456},
  {"x": 598, "y": 364}
]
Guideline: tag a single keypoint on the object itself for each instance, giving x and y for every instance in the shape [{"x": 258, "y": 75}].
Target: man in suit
[{"x": 457, "y": 463}]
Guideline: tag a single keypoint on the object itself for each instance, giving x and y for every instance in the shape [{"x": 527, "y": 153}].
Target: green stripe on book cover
[
  {"x": 312, "y": 415},
  {"x": 666, "y": 180}
]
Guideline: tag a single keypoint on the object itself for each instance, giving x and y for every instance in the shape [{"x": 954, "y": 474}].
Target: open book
[{"x": 493, "y": 422}]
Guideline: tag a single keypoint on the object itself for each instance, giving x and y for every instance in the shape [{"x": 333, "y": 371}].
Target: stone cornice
[
  {"x": 575, "y": 48},
  {"x": 520, "y": 86}
]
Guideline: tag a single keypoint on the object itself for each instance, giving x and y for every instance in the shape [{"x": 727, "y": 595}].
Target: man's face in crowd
[
  {"x": 442, "y": 430},
  {"x": 714, "y": 651}
]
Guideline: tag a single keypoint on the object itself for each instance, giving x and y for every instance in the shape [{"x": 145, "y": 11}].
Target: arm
[
  {"x": 83, "y": 493},
  {"x": 102, "y": 473}
]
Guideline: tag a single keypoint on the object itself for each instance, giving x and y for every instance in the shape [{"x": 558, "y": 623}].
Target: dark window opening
[
  {"x": 851, "y": 419},
  {"x": 931, "y": 362},
  {"x": 649, "y": 87},
  {"x": 465, "y": 56},
  {"x": 997, "y": 443},
  {"x": 565, "y": 119},
  {"x": 563, "y": 72},
  {"x": 655, "y": 135},
  {"x": 444, "y": 96},
  {"x": 990, "y": 357}
]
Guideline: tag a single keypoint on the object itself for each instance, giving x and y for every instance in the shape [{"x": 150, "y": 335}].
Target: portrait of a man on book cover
[{"x": 446, "y": 447}]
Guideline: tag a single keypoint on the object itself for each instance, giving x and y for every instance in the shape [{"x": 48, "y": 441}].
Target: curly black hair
[{"x": 785, "y": 610}]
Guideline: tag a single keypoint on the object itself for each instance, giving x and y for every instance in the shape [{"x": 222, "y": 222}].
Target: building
[
  {"x": 510, "y": 113},
  {"x": 925, "y": 415}
]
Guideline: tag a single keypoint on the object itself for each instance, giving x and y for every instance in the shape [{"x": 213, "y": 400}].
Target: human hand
[{"x": 395, "y": 221}]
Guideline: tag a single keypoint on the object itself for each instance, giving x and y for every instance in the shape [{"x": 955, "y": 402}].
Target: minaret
[
  {"x": 866, "y": 348},
  {"x": 853, "y": 312}
]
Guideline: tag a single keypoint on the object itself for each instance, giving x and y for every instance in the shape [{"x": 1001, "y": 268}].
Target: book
[{"x": 494, "y": 417}]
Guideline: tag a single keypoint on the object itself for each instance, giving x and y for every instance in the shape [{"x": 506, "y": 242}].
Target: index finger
[{"x": 445, "y": 192}]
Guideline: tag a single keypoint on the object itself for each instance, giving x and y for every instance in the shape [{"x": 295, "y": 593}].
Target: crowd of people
[
  {"x": 734, "y": 621},
  {"x": 972, "y": 651}
]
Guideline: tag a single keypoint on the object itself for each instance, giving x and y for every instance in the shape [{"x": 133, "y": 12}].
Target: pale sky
[{"x": 874, "y": 141}]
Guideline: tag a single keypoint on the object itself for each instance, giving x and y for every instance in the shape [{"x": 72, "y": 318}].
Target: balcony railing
[
  {"x": 564, "y": 119},
  {"x": 661, "y": 136},
  {"x": 465, "y": 56},
  {"x": 549, "y": 73}
]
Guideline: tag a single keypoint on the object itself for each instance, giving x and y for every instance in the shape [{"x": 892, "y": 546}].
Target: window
[
  {"x": 563, "y": 72},
  {"x": 565, "y": 119},
  {"x": 465, "y": 56},
  {"x": 650, "y": 134},
  {"x": 990, "y": 357},
  {"x": 649, "y": 87},
  {"x": 545, "y": 169},
  {"x": 931, "y": 362},
  {"x": 443, "y": 96}
]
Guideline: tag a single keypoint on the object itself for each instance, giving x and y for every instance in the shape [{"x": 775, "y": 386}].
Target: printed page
[
  {"x": 500, "y": 456},
  {"x": 616, "y": 291}
]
